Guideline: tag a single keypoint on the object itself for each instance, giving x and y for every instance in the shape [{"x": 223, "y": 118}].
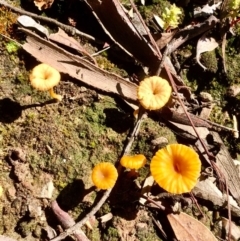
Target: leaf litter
[{"x": 64, "y": 140}]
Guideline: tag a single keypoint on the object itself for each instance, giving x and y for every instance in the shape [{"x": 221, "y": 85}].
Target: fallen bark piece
[
  {"x": 207, "y": 190},
  {"x": 117, "y": 25},
  {"x": 226, "y": 165},
  {"x": 78, "y": 68},
  {"x": 224, "y": 226},
  {"x": 66, "y": 40}
]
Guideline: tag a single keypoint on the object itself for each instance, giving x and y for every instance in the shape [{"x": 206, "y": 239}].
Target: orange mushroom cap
[
  {"x": 176, "y": 168},
  {"x": 104, "y": 175},
  {"x": 133, "y": 162},
  {"x": 44, "y": 77},
  {"x": 154, "y": 92}
]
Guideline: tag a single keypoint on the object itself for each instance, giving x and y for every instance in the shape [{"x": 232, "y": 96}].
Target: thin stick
[
  {"x": 105, "y": 196},
  {"x": 146, "y": 29},
  {"x": 11, "y": 40},
  {"x": 78, "y": 225},
  {"x": 135, "y": 130},
  {"x": 69, "y": 29},
  {"x": 211, "y": 157}
]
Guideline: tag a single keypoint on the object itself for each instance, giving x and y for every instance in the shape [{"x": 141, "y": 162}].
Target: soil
[{"x": 48, "y": 149}]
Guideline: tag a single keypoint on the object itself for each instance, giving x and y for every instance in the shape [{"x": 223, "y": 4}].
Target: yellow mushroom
[
  {"x": 154, "y": 92},
  {"x": 44, "y": 78},
  {"x": 133, "y": 162},
  {"x": 176, "y": 168},
  {"x": 104, "y": 175}
]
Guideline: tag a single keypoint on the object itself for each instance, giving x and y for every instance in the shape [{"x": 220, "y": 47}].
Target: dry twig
[{"x": 69, "y": 29}]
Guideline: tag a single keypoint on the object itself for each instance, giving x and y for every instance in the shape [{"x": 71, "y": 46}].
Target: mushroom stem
[
  {"x": 133, "y": 173},
  {"x": 54, "y": 95}
]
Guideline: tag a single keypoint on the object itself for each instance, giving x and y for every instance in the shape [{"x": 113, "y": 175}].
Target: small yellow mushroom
[
  {"x": 154, "y": 92},
  {"x": 104, "y": 175},
  {"x": 44, "y": 78}
]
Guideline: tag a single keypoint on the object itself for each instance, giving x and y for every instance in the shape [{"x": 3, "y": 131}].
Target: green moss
[
  {"x": 94, "y": 235},
  {"x": 12, "y": 47},
  {"x": 233, "y": 68},
  {"x": 209, "y": 60},
  {"x": 147, "y": 235},
  {"x": 149, "y": 131},
  {"x": 105, "y": 64},
  {"x": 112, "y": 234}
]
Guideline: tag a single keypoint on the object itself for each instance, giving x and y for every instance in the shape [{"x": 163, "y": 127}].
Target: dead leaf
[
  {"x": 224, "y": 43},
  {"x": 162, "y": 39},
  {"x": 145, "y": 192},
  {"x": 105, "y": 218},
  {"x": 159, "y": 21},
  {"x": 43, "y": 4},
  {"x": 205, "y": 44},
  {"x": 187, "y": 228}
]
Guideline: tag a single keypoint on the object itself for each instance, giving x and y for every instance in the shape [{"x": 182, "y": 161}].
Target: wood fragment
[
  {"x": 78, "y": 68},
  {"x": 225, "y": 163},
  {"x": 67, "y": 221}
]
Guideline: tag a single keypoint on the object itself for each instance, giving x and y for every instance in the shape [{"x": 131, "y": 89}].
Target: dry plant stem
[
  {"x": 155, "y": 203},
  {"x": 194, "y": 199},
  {"x": 11, "y": 40},
  {"x": 157, "y": 223},
  {"x": 69, "y": 29},
  {"x": 135, "y": 130},
  {"x": 127, "y": 148},
  {"x": 211, "y": 157},
  {"x": 161, "y": 65},
  {"x": 146, "y": 28},
  {"x": 217, "y": 125},
  {"x": 78, "y": 225}
]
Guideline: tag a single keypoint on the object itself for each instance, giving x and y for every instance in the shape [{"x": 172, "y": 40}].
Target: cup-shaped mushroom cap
[
  {"x": 44, "y": 77},
  {"x": 154, "y": 92},
  {"x": 176, "y": 168},
  {"x": 133, "y": 162},
  {"x": 104, "y": 175}
]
